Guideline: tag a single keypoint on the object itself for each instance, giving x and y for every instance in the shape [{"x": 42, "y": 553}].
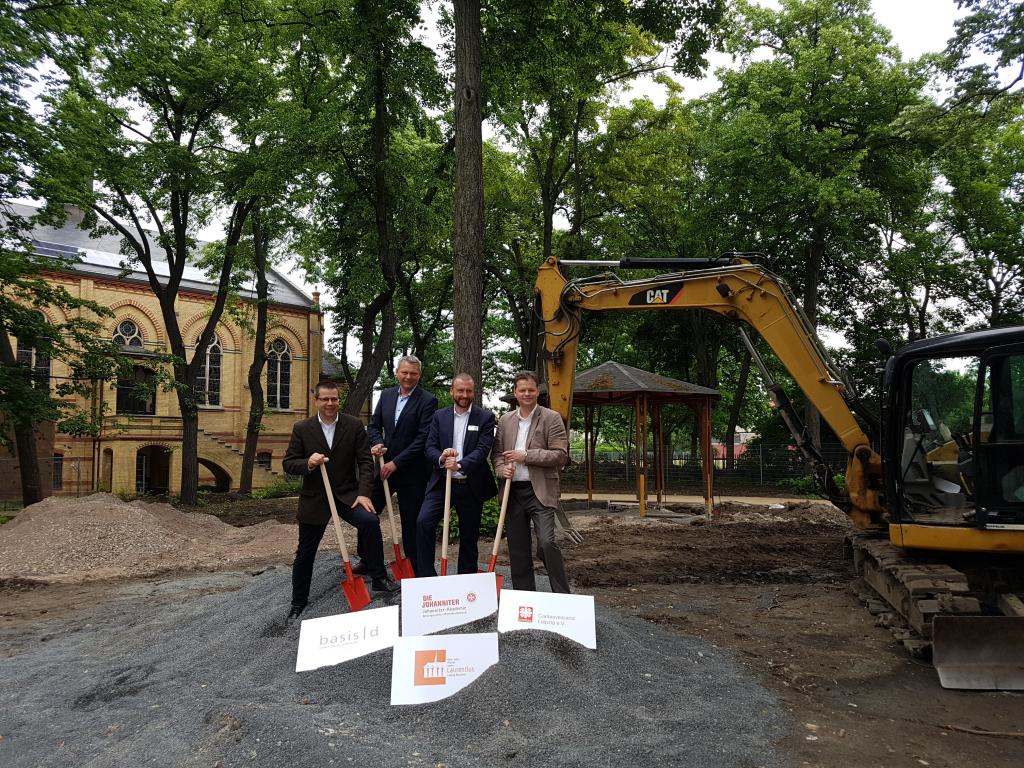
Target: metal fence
[
  {"x": 59, "y": 476},
  {"x": 754, "y": 467}
]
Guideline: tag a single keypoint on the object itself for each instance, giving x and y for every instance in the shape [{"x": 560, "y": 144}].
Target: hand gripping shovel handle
[
  {"x": 401, "y": 568},
  {"x": 447, "y": 518},
  {"x": 354, "y": 589}
]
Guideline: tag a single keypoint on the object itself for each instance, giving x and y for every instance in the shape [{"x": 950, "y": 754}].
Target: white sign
[
  {"x": 434, "y": 667},
  {"x": 441, "y": 602},
  {"x": 334, "y": 639},
  {"x": 568, "y": 615}
]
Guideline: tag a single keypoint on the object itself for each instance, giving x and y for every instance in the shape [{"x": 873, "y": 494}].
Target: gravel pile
[
  {"x": 98, "y": 537},
  {"x": 211, "y": 682}
]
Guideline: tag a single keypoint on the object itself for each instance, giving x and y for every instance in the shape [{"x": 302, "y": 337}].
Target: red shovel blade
[
  {"x": 497, "y": 576},
  {"x": 444, "y": 566},
  {"x": 401, "y": 568},
  {"x": 355, "y": 590}
]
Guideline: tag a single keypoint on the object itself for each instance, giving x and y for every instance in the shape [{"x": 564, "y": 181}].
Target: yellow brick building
[{"x": 139, "y": 447}]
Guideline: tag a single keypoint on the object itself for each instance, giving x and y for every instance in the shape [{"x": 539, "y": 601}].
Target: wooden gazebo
[{"x": 614, "y": 383}]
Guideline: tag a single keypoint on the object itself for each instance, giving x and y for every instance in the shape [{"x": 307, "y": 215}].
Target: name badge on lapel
[{"x": 473, "y": 428}]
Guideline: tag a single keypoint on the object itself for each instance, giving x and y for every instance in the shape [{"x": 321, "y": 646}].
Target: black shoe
[
  {"x": 294, "y": 614},
  {"x": 384, "y": 584},
  {"x": 359, "y": 569}
]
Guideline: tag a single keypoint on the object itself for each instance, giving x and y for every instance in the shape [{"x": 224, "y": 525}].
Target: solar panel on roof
[{"x": 55, "y": 250}]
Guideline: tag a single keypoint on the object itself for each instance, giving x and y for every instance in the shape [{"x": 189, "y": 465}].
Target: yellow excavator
[{"x": 935, "y": 494}]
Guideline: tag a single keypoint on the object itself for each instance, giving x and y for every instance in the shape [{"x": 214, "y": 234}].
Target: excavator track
[{"x": 940, "y": 615}]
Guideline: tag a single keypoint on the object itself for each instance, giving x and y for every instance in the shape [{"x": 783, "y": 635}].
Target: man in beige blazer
[{"x": 530, "y": 447}]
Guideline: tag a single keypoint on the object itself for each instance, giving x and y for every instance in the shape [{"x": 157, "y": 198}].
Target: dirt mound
[
  {"x": 100, "y": 537},
  {"x": 629, "y": 552}
]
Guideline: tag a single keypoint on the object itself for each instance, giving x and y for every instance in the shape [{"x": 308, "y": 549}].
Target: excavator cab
[{"x": 954, "y": 454}]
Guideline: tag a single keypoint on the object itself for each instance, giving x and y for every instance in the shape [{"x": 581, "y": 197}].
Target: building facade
[{"x": 138, "y": 450}]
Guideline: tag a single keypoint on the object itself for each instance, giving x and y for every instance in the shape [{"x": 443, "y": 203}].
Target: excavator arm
[{"x": 744, "y": 292}]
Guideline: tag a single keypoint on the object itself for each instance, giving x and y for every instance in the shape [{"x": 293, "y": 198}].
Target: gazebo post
[
  {"x": 708, "y": 460},
  {"x": 641, "y": 454},
  {"x": 588, "y": 449},
  {"x": 659, "y": 452}
]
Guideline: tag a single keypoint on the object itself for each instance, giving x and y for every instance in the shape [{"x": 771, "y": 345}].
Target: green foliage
[
  {"x": 807, "y": 485},
  {"x": 279, "y": 488},
  {"x": 5, "y": 519},
  {"x": 488, "y": 521}
]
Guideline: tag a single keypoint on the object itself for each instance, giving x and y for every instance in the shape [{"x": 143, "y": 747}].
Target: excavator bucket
[{"x": 979, "y": 652}]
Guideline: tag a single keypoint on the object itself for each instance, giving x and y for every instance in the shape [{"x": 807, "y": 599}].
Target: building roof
[
  {"x": 612, "y": 378},
  {"x": 102, "y": 257},
  {"x": 617, "y": 383}
]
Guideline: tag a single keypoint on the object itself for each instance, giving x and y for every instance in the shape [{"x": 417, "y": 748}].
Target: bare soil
[{"x": 770, "y": 584}]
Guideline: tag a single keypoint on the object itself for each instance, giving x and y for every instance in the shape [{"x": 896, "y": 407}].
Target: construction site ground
[{"x": 767, "y": 583}]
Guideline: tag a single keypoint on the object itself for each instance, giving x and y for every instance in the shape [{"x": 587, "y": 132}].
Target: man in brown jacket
[
  {"x": 530, "y": 447},
  {"x": 341, "y": 439}
]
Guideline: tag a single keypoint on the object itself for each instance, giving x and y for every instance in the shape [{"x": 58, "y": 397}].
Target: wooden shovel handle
[
  {"x": 334, "y": 512},
  {"x": 501, "y": 519},
  {"x": 391, "y": 509},
  {"x": 447, "y": 513}
]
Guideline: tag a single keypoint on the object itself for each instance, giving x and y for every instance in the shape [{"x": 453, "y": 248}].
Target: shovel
[
  {"x": 401, "y": 567},
  {"x": 497, "y": 533},
  {"x": 354, "y": 589},
  {"x": 447, "y": 518}
]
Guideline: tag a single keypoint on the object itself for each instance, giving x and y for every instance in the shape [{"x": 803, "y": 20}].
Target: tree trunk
[
  {"x": 734, "y": 412},
  {"x": 468, "y": 235},
  {"x": 812, "y": 279},
  {"x": 24, "y": 437},
  {"x": 259, "y": 360},
  {"x": 374, "y": 354}
]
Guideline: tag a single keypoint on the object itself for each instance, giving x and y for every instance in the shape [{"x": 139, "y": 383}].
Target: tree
[
  {"x": 810, "y": 140},
  {"x": 144, "y": 133},
  {"x": 468, "y": 236},
  {"x": 985, "y": 170}
]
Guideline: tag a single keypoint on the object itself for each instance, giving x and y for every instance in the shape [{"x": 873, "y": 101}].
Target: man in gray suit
[
  {"x": 341, "y": 439},
  {"x": 531, "y": 446}
]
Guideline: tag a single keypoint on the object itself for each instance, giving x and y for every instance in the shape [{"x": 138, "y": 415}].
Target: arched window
[
  {"x": 136, "y": 392},
  {"x": 279, "y": 375},
  {"x": 37, "y": 362},
  {"x": 127, "y": 334},
  {"x": 207, "y": 387}
]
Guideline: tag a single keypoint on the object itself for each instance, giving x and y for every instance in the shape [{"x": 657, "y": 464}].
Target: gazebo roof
[{"x": 612, "y": 379}]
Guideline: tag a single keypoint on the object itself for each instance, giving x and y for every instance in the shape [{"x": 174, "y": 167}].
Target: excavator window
[
  {"x": 1001, "y": 439},
  {"x": 936, "y": 470}
]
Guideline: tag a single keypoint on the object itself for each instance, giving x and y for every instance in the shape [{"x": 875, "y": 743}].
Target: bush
[
  {"x": 5, "y": 519},
  {"x": 808, "y": 486},
  {"x": 283, "y": 486},
  {"x": 488, "y": 521}
]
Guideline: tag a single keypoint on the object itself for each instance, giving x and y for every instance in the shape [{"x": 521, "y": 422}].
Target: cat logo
[{"x": 667, "y": 293}]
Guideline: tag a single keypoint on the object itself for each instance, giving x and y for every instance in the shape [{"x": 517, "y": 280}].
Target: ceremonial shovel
[
  {"x": 447, "y": 518},
  {"x": 497, "y": 533},
  {"x": 354, "y": 589},
  {"x": 401, "y": 568}
]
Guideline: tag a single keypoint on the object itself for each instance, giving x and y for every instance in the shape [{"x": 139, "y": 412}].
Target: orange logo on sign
[
  {"x": 525, "y": 613},
  {"x": 429, "y": 667}
]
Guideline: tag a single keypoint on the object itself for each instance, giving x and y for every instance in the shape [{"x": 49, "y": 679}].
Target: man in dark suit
[
  {"x": 460, "y": 439},
  {"x": 398, "y": 431},
  {"x": 341, "y": 439}
]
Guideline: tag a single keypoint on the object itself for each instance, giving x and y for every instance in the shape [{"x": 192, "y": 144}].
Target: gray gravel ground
[{"x": 152, "y": 679}]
